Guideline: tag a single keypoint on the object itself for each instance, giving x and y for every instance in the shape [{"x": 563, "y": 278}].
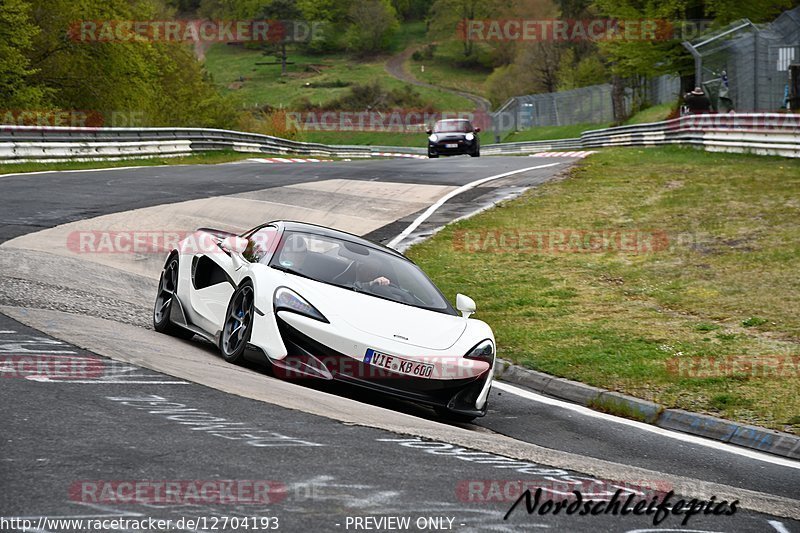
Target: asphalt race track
[{"x": 143, "y": 409}]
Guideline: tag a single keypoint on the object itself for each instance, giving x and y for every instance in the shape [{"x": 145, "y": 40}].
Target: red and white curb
[
  {"x": 287, "y": 160},
  {"x": 408, "y": 156},
  {"x": 564, "y": 154}
]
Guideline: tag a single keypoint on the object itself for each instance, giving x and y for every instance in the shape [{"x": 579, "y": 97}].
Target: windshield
[
  {"x": 359, "y": 268},
  {"x": 453, "y": 126}
]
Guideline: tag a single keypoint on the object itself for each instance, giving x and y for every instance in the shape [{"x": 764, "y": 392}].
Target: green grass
[
  {"x": 368, "y": 138},
  {"x": 206, "y": 158},
  {"x": 444, "y": 69},
  {"x": 717, "y": 278},
  {"x": 376, "y": 138},
  {"x": 656, "y": 113},
  {"x": 413, "y": 32},
  {"x": 443, "y": 73},
  {"x": 546, "y": 133},
  {"x": 264, "y": 85}
]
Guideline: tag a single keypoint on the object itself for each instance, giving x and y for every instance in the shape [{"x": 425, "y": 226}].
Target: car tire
[
  {"x": 238, "y": 324},
  {"x": 167, "y": 292},
  {"x": 433, "y": 156},
  {"x": 476, "y": 153}
]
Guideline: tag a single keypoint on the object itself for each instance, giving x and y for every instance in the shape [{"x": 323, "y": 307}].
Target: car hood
[{"x": 383, "y": 318}]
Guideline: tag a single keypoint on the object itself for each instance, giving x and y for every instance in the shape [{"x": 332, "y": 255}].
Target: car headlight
[
  {"x": 482, "y": 352},
  {"x": 470, "y": 136},
  {"x": 287, "y": 300},
  {"x": 433, "y": 138}
]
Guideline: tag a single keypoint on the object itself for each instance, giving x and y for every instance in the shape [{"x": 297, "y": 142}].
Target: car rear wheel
[
  {"x": 165, "y": 299},
  {"x": 238, "y": 323}
]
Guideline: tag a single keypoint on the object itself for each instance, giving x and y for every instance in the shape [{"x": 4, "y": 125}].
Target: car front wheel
[{"x": 238, "y": 323}]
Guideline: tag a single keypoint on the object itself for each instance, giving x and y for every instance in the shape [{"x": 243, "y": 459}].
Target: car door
[{"x": 216, "y": 274}]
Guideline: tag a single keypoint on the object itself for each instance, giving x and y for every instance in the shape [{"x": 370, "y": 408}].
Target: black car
[{"x": 453, "y": 137}]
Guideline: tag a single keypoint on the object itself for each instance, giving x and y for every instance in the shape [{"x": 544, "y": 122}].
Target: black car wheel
[
  {"x": 167, "y": 293},
  {"x": 433, "y": 156},
  {"x": 238, "y": 323},
  {"x": 476, "y": 153}
]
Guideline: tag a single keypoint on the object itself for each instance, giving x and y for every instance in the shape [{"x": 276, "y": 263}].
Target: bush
[
  {"x": 373, "y": 96},
  {"x": 274, "y": 123}
]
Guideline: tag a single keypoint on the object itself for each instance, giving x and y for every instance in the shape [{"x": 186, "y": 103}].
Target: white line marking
[
  {"x": 685, "y": 437},
  {"x": 432, "y": 209},
  {"x": 779, "y": 527}
]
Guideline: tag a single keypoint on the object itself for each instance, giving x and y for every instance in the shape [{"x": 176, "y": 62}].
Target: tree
[
  {"x": 373, "y": 22},
  {"x": 534, "y": 70},
  {"x": 326, "y": 10},
  {"x": 159, "y": 83},
  {"x": 448, "y": 19},
  {"x": 632, "y": 60},
  {"x": 286, "y": 12},
  {"x": 447, "y": 14},
  {"x": 726, "y": 11},
  {"x": 16, "y": 41},
  {"x": 411, "y": 9}
]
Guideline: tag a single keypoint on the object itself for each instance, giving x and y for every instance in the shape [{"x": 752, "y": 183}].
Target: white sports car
[{"x": 320, "y": 303}]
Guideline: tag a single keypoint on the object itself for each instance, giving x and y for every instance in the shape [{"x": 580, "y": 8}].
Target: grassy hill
[{"x": 319, "y": 78}]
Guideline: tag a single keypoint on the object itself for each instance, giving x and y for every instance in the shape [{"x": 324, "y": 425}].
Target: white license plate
[
  {"x": 451, "y": 146},
  {"x": 398, "y": 364}
]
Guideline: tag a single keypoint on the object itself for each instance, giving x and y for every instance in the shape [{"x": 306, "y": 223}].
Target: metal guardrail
[
  {"x": 766, "y": 134},
  {"x": 34, "y": 143},
  {"x": 757, "y": 133},
  {"x": 530, "y": 147}
]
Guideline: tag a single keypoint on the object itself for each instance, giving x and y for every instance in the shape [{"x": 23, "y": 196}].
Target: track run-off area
[{"x": 145, "y": 410}]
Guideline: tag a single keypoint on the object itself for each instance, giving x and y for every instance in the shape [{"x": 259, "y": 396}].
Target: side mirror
[
  {"x": 429, "y": 131},
  {"x": 234, "y": 244},
  {"x": 477, "y": 130},
  {"x": 465, "y": 304}
]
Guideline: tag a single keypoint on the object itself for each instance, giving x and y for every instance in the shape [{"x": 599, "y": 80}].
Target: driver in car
[
  {"x": 294, "y": 252},
  {"x": 368, "y": 275}
]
